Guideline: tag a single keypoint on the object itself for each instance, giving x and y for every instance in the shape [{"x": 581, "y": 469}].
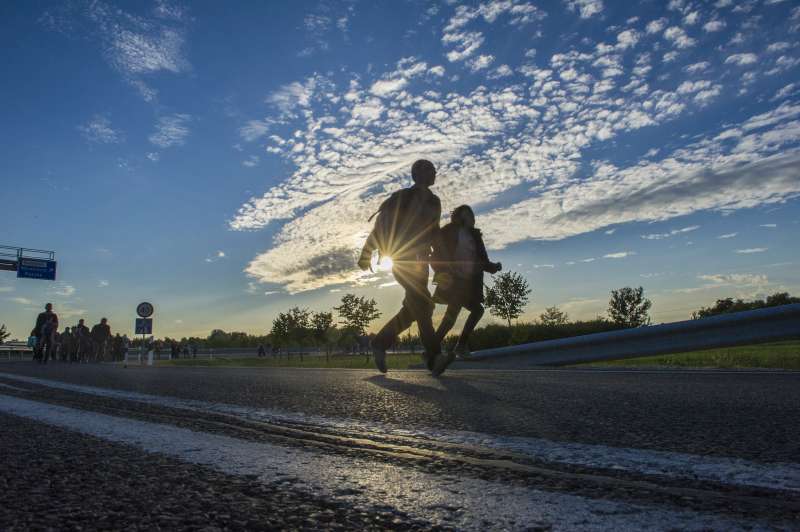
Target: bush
[{"x": 496, "y": 335}]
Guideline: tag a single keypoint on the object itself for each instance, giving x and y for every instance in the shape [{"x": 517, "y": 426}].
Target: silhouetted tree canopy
[
  {"x": 507, "y": 296},
  {"x": 552, "y": 316},
  {"x": 730, "y": 305},
  {"x": 3, "y": 333},
  {"x": 628, "y": 307},
  {"x": 356, "y": 313}
]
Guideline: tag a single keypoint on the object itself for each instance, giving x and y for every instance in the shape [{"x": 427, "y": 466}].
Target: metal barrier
[{"x": 740, "y": 328}]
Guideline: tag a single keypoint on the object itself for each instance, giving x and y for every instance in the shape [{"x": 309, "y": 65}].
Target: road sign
[
  {"x": 145, "y": 309},
  {"x": 8, "y": 265},
  {"x": 36, "y": 269},
  {"x": 144, "y": 326}
]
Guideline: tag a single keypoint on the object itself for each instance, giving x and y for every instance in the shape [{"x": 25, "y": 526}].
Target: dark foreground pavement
[
  {"x": 350, "y": 449},
  {"x": 747, "y": 414}
]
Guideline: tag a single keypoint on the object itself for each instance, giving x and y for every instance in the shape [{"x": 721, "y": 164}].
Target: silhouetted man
[
  {"x": 101, "y": 332},
  {"x": 83, "y": 341},
  {"x": 406, "y": 226},
  {"x": 45, "y": 330}
]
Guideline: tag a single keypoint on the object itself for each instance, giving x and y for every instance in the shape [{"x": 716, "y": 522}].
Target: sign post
[{"x": 144, "y": 326}]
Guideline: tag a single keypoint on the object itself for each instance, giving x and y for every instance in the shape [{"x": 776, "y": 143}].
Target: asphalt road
[{"x": 632, "y": 437}]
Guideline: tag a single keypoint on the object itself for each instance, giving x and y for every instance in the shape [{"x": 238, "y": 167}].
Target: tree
[
  {"x": 321, "y": 322},
  {"x": 552, "y": 316},
  {"x": 357, "y": 313},
  {"x": 291, "y": 328},
  {"x": 507, "y": 297},
  {"x": 729, "y": 305},
  {"x": 3, "y": 333},
  {"x": 629, "y": 307}
]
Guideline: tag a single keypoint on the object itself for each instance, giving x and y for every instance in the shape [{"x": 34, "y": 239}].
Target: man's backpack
[{"x": 398, "y": 226}]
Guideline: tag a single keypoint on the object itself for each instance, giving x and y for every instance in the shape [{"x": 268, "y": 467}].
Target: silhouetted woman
[{"x": 460, "y": 259}]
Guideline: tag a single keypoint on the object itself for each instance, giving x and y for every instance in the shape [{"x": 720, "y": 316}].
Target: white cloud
[
  {"x": 20, "y": 300},
  {"x": 741, "y": 279},
  {"x": 102, "y": 283},
  {"x": 714, "y": 25},
  {"x": 728, "y": 235},
  {"x": 99, "y": 130},
  {"x": 437, "y": 71},
  {"x": 619, "y": 255},
  {"x": 61, "y": 289},
  {"x": 661, "y": 236},
  {"x": 586, "y": 8},
  {"x": 479, "y": 63},
  {"x": 747, "y": 251},
  {"x": 385, "y": 87},
  {"x": 778, "y": 47},
  {"x": 691, "y": 18},
  {"x": 627, "y": 39},
  {"x": 679, "y": 37},
  {"x": 292, "y": 95},
  {"x": 697, "y": 67},
  {"x": 769, "y": 226},
  {"x": 741, "y": 59},
  {"x": 252, "y": 161},
  {"x": 254, "y": 129},
  {"x": 171, "y": 131},
  {"x": 655, "y": 26},
  {"x": 220, "y": 254}
]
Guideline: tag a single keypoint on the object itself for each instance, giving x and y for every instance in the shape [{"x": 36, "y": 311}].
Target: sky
[{"x": 221, "y": 160}]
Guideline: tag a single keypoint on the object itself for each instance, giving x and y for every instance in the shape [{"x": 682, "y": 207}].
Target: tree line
[{"x": 345, "y": 326}]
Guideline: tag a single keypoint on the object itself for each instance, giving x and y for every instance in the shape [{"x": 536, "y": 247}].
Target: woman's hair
[{"x": 455, "y": 214}]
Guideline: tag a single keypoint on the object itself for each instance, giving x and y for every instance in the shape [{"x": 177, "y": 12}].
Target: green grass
[
  {"x": 398, "y": 361},
  {"x": 778, "y": 355}
]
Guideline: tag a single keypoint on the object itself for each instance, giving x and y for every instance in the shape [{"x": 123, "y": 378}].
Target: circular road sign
[{"x": 144, "y": 310}]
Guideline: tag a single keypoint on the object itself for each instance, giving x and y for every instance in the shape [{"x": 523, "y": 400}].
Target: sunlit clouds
[{"x": 529, "y": 143}]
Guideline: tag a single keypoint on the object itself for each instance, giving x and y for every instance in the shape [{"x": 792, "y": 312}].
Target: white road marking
[
  {"x": 9, "y": 387},
  {"x": 732, "y": 471},
  {"x": 470, "y": 504}
]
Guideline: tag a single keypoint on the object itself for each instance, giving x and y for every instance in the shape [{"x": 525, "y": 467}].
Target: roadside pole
[{"x": 144, "y": 326}]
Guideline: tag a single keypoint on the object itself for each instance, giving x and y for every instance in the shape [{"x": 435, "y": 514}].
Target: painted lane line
[
  {"x": 733, "y": 471},
  {"x": 466, "y": 503},
  {"x": 9, "y": 387}
]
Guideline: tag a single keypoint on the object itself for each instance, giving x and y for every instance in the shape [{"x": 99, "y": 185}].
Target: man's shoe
[
  {"x": 380, "y": 358},
  {"x": 442, "y": 361}
]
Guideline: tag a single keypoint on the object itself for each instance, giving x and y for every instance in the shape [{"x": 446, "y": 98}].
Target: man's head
[
  {"x": 423, "y": 173},
  {"x": 103, "y": 321},
  {"x": 48, "y": 307},
  {"x": 80, "y": 321},
  {"x": 66, "y": 330}
]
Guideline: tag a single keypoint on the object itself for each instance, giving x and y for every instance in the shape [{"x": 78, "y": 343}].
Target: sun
[{"x": 386, "y": 263}]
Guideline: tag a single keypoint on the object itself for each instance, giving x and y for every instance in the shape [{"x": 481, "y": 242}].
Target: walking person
[
  {"x": 460, "y": 259},
  {"x": 45, "y": 330},
  {"x": 404, "y": 231},
  {"x": 84, "y": 341},
  {"x": 100, "y": 333}
]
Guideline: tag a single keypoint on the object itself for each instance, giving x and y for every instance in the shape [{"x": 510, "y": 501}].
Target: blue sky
[{"x": 221, "y": 160}]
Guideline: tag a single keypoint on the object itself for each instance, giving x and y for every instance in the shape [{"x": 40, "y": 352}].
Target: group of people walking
[
  {"x": 407, "y": 230},
  {"x": 74, "y": 344}
]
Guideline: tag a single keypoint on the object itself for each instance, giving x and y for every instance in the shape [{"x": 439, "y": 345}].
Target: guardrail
[{"x": 740, "y": 328}]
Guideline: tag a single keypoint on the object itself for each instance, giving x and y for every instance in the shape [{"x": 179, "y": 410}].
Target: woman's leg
[
  {"x": 475, "y": 315},
  {"x": 449, "y": 319}
]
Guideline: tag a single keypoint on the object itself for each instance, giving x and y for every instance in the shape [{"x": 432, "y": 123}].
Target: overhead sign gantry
[{"x": 28, "y": 263}]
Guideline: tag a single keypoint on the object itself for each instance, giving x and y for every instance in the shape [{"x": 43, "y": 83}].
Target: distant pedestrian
[
  {"x": 262, "y": 352},
  {"x": 101, "y": 333},
  {"x": 194, "y": 350},
  {"x": 45, "y": 330},
  {"x": 83, "y": 340},
  {"x": 460, "y": 259},
  {"x": 404, "y": 231}
]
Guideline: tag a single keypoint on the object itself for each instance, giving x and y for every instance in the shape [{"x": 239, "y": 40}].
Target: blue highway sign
[
  {"x": 36, "y": 269},
  {"x": 144, "y": 325}
]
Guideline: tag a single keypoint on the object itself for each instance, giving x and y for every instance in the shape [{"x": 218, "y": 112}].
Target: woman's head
[{"x": 463, "y": 216}]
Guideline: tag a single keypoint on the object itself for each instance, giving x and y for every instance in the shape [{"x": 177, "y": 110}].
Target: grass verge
[{"x": 776, "y": 355}]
